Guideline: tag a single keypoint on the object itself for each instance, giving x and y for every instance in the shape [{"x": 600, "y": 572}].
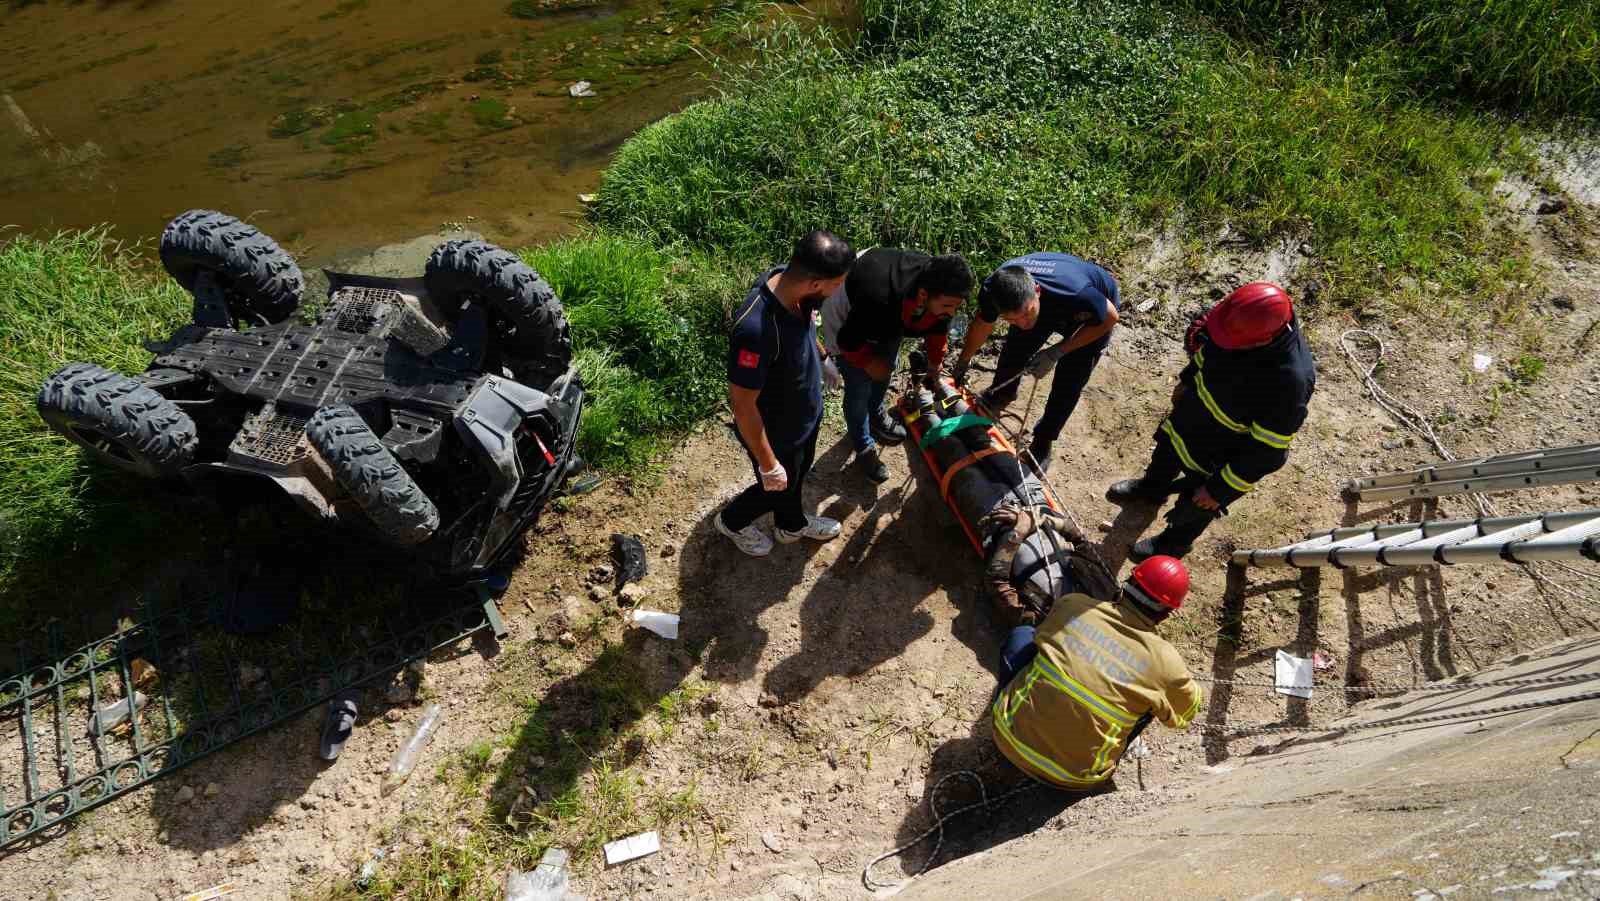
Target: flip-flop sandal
[{"x": 337, "y": 725}]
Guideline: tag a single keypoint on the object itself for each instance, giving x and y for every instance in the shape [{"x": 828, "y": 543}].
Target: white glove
[
  {"x": 775, "y": 479},
  {"x": 831, "y": 378}
]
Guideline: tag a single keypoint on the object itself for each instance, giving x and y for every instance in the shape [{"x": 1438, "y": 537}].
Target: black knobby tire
[
  {"x": 532, "y": 324},
  {"x": 120, "y": 421},
  {"x": 262, "y": 281},
  {"x": 365, "y": 468}
]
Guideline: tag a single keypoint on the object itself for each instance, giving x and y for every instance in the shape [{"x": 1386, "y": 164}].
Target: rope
[
  {"x": 984, "y": 800},
  {"x": 1429, "y": 688},
  {"x": 1227, "y": 731}
]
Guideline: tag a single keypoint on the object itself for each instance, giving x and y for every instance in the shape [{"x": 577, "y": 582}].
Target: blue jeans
[
  {"x": 1017, "y": 653},
  {"x": 863, "y": 398}
]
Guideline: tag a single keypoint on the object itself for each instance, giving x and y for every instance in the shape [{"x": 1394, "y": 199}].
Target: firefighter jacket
[
  {"x": 1240, "y": 410},
  {"x": 1100, "y": 669}
]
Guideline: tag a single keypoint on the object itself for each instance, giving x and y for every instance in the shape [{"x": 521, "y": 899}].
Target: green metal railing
[{"x": 122, "y": 711}]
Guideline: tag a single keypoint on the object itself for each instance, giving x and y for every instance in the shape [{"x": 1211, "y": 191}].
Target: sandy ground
[{"x": 837, "y": 683}]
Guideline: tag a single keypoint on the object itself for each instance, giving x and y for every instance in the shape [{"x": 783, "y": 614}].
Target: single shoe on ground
[
  {"x": 337, "y": 725},
  {"x": 749, "y": 539},
  {"x": 1132, "y": 490},
  {"x": 885, "y": 430},
  {"x": 870, "y": 463},
  {"x": 1040, "y": 451},
  {"x": 818, "y": 528}
]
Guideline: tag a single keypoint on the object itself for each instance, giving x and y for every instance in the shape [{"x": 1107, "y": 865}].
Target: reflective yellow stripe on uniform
[
  {"x": 1188, "y": 717},
  {"x": 1269, "y": 437},
  {"x": 1097, "y": 705},
  {"x": 1180, "y": 447},
  {"x": 1113, "y": 737},
  {"x": 1234, "y": 482},
  {"x": 1005, "y": 714},
  {"x": 1211, "y": 404}
]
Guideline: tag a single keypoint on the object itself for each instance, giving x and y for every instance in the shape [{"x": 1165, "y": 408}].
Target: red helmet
[
  {"x": 1160, "y": 581},
  {"x": 1250, "y": 316}
]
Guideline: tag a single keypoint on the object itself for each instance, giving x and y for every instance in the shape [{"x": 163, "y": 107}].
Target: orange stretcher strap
[{"x": 963, "y": 463}]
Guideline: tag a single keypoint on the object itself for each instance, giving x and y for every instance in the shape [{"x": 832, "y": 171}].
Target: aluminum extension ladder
[
  {"x": 1520, "y": 539},
  {"x": 1523, "y": 469}
]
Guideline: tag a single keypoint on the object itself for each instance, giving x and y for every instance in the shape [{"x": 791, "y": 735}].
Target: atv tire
[
  {"x": 118, "y": 420},
  {"x": 261, "y": 281},
  {"x": 528, "y": 316},
  {"x": 365, "y": 468}
]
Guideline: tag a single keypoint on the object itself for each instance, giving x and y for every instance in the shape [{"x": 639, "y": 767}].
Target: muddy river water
[{"x": 334, "y": 125}]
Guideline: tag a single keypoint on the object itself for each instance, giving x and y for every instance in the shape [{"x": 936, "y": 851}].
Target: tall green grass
[
  {"x": 648, "y": 327},
  {"x": 67, "y": 297},
  {"x": 1000, "y": 126},
  {"x": 1539, "y": 55}
]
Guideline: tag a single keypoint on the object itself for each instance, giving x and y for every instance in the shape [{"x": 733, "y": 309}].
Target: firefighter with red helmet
[
  {"x": 1235, "y": 410},
  {"x": 1083, "y": 684}
]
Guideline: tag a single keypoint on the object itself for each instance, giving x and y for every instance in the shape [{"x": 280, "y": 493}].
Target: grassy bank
[
  {"x": 1534, "y": 55},
  {"x": 1074, "y": 125},
  {"x": 72, "y": 296}
]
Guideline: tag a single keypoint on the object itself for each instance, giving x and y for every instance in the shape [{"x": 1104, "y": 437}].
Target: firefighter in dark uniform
[{"x": 1235, "y": 410}]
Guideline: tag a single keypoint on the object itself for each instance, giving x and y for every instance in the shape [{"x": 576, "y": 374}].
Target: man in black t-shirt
[{"x": 775, "y": 386}]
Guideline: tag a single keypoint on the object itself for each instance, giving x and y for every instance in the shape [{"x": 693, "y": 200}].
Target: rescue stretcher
[
  {"x": 972, "y": 461},
  {"x": 1031, "y": 561}
]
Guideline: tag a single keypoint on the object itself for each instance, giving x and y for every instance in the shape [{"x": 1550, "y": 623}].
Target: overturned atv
[{"x": 439, "y": 412}]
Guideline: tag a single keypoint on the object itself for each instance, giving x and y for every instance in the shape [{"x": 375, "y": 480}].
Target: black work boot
[
  {"x": 885, "y": 430},
  {"x": 1145, "y": 548},
  {"x": 872, "y": 466},
  {"x": 1040, "y": 451},
  {"x": 1129, "y": 491}
]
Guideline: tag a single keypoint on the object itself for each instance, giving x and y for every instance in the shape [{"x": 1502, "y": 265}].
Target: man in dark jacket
[
  {"x": 1235, "y": 410},
  {"x": 889, "y": 295}
]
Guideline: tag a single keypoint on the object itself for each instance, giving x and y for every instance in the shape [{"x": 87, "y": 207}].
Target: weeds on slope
[
  {"x": 648, "y": 326},
  {"x": 71, "y": 296},
  {"x": 1538, "y": 55},
  {"x": 998, "y": 126}
]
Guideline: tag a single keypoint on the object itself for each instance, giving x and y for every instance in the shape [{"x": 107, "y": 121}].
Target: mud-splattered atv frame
[{"x": 439, "y": 412}]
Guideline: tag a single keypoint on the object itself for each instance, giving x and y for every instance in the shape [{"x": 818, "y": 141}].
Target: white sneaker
[
  {"x": 818, "y": 528},
  {"x": 749, "y": 539}
]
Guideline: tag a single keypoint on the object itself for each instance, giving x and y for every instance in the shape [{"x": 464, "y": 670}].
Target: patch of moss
[
  {"x": 352, "y": 132},
  {"x": 491, "y": 113}
]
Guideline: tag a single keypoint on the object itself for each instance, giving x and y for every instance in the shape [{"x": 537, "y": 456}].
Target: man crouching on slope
[{"x": 1094, "y": 673}]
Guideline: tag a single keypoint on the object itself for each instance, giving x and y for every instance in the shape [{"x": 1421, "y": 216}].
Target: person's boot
[
  {"x": 1145, "y": 548},
  {"x": 885, "y": 430},
  {"x": 873, "y": 466},
  {"x": 1040, "y": 450},
  {"x": 1129, "y": 491}
]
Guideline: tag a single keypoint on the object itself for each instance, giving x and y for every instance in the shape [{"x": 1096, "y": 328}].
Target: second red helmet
[{"x": 1162, "y": 579}]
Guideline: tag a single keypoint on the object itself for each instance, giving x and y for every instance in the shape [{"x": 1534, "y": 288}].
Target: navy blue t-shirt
[
  {"x": 774, "y": 351},
  {"x": 1074, "y": 291}
]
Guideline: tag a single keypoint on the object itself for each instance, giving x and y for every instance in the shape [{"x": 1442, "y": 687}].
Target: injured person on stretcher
[{"x": 1083, "y": 670}]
